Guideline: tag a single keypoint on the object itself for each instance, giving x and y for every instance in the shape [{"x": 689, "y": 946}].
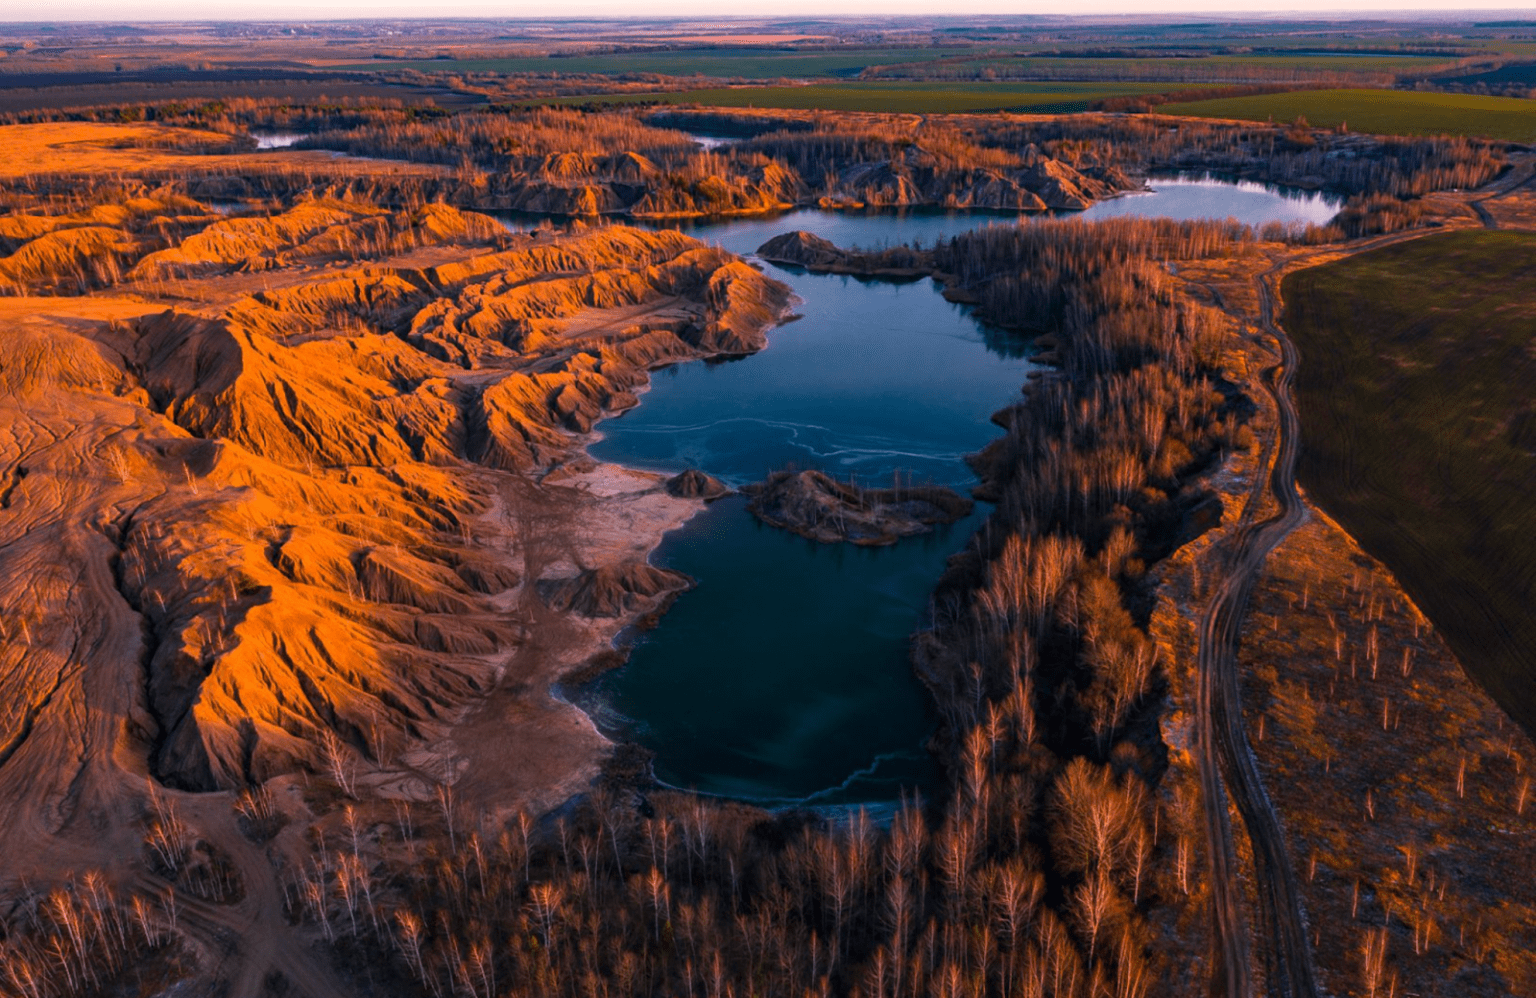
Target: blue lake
[{"x": 783, "y": 677}]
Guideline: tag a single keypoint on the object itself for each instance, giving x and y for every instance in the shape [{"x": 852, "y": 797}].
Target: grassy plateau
[
  {"x": 1419, "y": 432},
  {"x": 1390, "y": 112}
]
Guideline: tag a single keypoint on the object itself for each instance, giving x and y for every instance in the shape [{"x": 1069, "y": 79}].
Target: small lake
[
  {"x": 712, "y": 141},
  {"x": 276, "y": 140},
  {"x": 783, "y": 677},
  {"x": 1189, "y": 198}
]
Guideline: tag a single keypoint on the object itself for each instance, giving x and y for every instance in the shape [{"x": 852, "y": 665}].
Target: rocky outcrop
[
  {"x": 757, "y": 188},
  {"x": 996, "y": 192},
  {"x": 1058, "y": 185},
  {"x": 803, "y": 249},
  {"x": 613, "y": 591},
  {"x": 695, "y": 484},
  {"x": 1033, "y": 182},
  {"x": 813, "y": 504}
]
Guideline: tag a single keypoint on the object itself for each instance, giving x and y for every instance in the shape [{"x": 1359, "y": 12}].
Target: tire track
[
  {"x": 1226, "y": 764},
  {"x": 1521, "y": 174},
  {"x": 1225, "y": 761}
]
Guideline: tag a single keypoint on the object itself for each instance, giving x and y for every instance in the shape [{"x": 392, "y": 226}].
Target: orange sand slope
[
  {"x": 102, "y": 148},
  {"x": 261, "y": 508}
]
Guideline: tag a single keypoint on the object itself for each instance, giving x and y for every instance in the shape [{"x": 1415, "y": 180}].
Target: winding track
[
  {"x": 1522, "y": 173},
  {"x": 249, "y": 939},
  {"x": 1224, "y": 758}
]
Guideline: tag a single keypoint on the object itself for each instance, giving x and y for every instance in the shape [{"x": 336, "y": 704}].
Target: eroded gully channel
[{"x": 783, "y": 677}]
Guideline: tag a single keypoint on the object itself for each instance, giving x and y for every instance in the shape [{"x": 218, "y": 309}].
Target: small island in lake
[{"x": 815, "y": 505}]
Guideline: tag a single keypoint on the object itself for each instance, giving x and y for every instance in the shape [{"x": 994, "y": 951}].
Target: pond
[
  {"x": 705, "y": 141},
  {"x": 276, "y": 140},
  {"x": 783, "y": 677},
  {"x": 1251, "y": 203}
]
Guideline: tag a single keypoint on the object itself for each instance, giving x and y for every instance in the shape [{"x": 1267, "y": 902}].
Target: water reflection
[
  {"x": 275, "y": 140},
  {"x": 1187, "y": 198},
  {"x": 711, "y": 141}
]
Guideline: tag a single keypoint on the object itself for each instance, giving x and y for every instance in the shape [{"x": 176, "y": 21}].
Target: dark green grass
[
  {"x": 1194, "y": 69},
  {"x": 1386, "y": 112},
  {"x": 1523, "y": 73},
  {"x": 914, "y": 98},
  {"x": 746, "y": 63},
  {"x": 1417, "y": 392}
]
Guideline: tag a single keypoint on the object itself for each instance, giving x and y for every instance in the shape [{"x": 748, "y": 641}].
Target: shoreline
[
  {"x": 624, "y": 515},
  {"x": 585, "y": 671}
]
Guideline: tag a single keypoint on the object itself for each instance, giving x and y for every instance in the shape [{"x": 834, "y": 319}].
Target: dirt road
[
  {"x": 1226, "y": 762},
  {"x": 1224, "y": 759}
]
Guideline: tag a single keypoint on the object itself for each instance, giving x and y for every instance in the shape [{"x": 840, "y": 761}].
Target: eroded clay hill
[
  {"x": 265, "y": 509},
  {"x": 832, "y": 168}
]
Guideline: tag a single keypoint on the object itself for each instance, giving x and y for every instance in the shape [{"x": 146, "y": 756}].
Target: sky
[{"x": 182, "y": 10}]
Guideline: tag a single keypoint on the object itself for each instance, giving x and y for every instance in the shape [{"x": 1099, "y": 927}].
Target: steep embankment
[{"x": 840, "y": 167}]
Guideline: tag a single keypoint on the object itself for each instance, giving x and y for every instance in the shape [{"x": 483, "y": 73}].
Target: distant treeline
[
  {"x": 1141, "y": 103},
  {"x": 1224, "y": 65},
  {"x": 1290, "y": 153},
  {"x": 565, "y": 161}
]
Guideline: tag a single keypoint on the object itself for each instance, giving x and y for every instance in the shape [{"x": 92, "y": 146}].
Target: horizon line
[{"x": 1205, "y": 10}]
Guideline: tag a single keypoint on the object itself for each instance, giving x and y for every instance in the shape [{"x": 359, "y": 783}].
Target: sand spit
[{"x": 517, "y": 749}]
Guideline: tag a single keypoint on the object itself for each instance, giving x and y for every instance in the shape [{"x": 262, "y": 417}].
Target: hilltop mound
[
  {"x": 695, "y": 484},
  {"x": 252, "y": 243},
  {"x": 66, "y": 251},
  {"x": 614, "y": 590},
  {"x": 802, "y": 248}
]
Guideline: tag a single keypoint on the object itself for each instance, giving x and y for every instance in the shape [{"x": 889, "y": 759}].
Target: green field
[
  {"x": 1418, "y": 415},
  {"x": 1388, "y": 112},
  {"x": 746, "y": 63},
  {"x": 914, "y": 98},
  {"x": 1205, "y": 67}
]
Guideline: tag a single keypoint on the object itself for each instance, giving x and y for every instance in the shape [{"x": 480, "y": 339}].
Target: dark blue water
[{"x": 784, "y": 677}]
